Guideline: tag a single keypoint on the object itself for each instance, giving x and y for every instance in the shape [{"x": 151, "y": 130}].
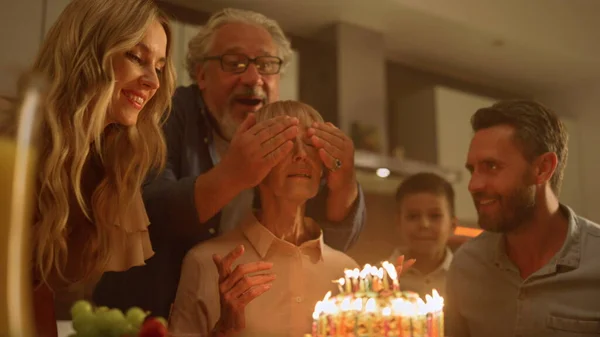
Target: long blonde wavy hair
[{"x": 76, "y": 57}]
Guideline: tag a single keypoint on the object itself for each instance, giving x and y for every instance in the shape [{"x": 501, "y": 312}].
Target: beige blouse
[{"x": 129, "y": 239}]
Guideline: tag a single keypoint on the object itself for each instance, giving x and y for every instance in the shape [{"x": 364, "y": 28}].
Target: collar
[
  {"x": 216, "y": 145},
  {"x": 263, "y": 239},
  {"x": 568, "y": 256},
  {"x": 206, "y": 119},
  {"x": 442, "y": 268}
]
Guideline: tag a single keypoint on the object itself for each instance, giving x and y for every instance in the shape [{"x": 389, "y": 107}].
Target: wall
[
  {"x": 33, "y": 19},
  {"x": 453, "y": 111},
  {"x": 411, "y": 107},
  {"x": 18, "y": 50},
  {"x": 578, "y": 107},
  {"x": 573, "y": 192},
  {"x": 412, "y": 126},
  {"x": 378, "y": 238},
  {"x": 318, "y": 74}
]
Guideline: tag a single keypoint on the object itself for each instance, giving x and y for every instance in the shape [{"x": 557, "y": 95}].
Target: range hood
[{"x": 382, "y": 174}]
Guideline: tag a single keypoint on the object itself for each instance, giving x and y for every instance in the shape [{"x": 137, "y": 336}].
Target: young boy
[{"x": 425, "y": 221}]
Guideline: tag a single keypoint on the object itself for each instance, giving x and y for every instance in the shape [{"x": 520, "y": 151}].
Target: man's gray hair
[{"x": 200, "y": 44}]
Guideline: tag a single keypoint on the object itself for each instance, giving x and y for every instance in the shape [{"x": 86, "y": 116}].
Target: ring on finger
[{"x": 336, "y": 165}]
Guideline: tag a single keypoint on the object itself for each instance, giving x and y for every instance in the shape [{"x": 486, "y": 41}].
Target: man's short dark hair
[
  {"x": 538, "y": 130},
  {"x": 426, "y": 182}
]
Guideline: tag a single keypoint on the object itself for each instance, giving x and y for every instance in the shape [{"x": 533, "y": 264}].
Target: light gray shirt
[
  {"x": 486, "y": 296},
  {"x": 423, "y": 284}
]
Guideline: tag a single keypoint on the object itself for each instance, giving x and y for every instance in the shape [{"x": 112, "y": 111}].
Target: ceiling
[{"x": 525, "y": 46}]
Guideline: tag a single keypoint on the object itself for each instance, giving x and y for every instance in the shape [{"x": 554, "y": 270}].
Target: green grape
[
  {"x": 136, "y": 316},
  {"x": 162, "y": 320},
  {"x": 80, "y": 307},
  {"x": 91, "y": 333},
  {"x": 101, "y": 309},
  {"x": 130, "y": 330},
  {"x": 112, "y": 322},
  {"x": 84, "y": 322}
]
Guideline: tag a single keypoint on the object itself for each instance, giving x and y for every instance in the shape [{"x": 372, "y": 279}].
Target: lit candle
[
  {"x": 391, "y": 270},
  {"x": 346, "y": 305},
  {"x": 386, "y": 312},
  {"x": 332, "y": 325},
  {"x": 437, "y": 307},
  {"x": 355, "y": 284},
  {"x": 370, "y": 309},
  {"x": 341, "y": 283},
  {"x": 376, "y": 284},
  {"x": 430, "y": 325},
  {"x": 386, "y": 283},
  {"x": 365, "y": 281},
  {"x": 347, "y": 280},
  {"x": 441, "y": 322},
  {"x": 356, "y": 308},
  {"x": 315, "y": 316},
  {"x": 323, "y": 319},
  {"x": 400, "y": 327}
]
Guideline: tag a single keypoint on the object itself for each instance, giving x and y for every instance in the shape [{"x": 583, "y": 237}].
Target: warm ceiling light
[
  {"x": 383, "y": 172},
  {"x": 467, "y": 231}
]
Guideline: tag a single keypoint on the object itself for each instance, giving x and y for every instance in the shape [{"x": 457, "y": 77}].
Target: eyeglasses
[{"x": 238, "y": 63}]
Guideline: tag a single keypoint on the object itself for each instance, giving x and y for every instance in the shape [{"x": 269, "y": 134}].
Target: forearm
[
  {"x": 340, "y": 235},
  {"x": 340, "y": 202},
  {"x": 213, "y": 190}
]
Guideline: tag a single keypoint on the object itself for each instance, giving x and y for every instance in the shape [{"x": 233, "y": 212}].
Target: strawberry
[{"x": 153, "y": 327}]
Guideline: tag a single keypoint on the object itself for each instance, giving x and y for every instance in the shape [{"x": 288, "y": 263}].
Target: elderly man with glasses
[{"x": 236, "y": 60}]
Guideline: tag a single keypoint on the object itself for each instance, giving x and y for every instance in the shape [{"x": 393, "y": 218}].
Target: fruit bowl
[{"x": 90, "y": 321}]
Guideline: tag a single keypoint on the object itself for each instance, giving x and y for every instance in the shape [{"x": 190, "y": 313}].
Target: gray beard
[{"x": 227, "y": 125}]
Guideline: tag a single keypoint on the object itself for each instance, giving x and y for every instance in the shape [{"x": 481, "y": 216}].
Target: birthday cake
[{"x": 370, "y": 303}]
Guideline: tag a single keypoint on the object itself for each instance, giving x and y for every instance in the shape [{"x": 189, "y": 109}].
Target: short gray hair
[
  {"x": 200, "y": 44},
  {"x": 304, "y": 112}
]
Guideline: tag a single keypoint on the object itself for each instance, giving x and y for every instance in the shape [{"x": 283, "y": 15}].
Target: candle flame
[
  {"x": 357, "y": 304},
  {"x": 318, "y": 310},
  {"x": 404, "y": 304},
  {"x": 410, "y": 306},
  {"x": 390, "y": 270},
  {"x": 371, "y": 305},
  {"x": 436, "y": 301},
  {"x": 365, "y": 272},
  {"x": 346, "y": 304}
]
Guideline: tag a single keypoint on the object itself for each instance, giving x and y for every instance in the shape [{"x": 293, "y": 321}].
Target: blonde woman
[{"x": 111, "y": 81}]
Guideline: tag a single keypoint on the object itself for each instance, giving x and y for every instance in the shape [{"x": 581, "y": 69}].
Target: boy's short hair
[{"x": 426, "y": 182}]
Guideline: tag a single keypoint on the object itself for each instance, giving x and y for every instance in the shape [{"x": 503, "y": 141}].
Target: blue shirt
[{"x": 174, "y": 224}]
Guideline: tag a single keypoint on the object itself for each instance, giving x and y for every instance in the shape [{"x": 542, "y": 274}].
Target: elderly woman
[{"x": 284, "y": 266}]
